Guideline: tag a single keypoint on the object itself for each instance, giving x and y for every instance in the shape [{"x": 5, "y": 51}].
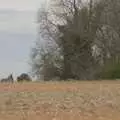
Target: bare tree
[
  {"x": 85, "y": 33},
  {"x": 107, "y": 39},
  {"x": 46, "y": 63},
  {"x": 9, "y": 79},
  {"x": 79, "y": 34}
]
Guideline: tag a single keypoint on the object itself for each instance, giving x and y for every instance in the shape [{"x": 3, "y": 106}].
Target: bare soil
[{"x": 60, "y": 101}]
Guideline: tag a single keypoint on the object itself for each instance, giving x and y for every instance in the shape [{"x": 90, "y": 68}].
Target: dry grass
[{"x": 60, "y": 101}]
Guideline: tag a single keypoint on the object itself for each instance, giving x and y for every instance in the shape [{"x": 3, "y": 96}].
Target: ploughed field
[{"x": 60, "y": 101}]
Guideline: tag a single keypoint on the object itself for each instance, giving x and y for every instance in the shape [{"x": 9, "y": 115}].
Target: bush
[
  {"x": 24, "y": 77},
  {"x": 111, "y": 71}
]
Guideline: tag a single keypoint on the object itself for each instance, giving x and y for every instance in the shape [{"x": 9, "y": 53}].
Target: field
[{"x": 60, "y": 101}]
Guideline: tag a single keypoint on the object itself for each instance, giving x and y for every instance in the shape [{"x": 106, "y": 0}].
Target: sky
[
  {"x": 18, "y": 31},
  {"x": 20, "y": 4}
]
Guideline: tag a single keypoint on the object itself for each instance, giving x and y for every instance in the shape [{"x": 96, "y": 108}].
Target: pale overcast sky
[
  {"x": 20, "y": 4},
  {"x": 17, "y": 34}
]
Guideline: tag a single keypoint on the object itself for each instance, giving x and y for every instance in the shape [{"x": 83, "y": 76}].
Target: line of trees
[{"x": 80, "y": 39}]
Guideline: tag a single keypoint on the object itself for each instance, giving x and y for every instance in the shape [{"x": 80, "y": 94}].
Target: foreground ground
[{"x": 60, "y": 101}]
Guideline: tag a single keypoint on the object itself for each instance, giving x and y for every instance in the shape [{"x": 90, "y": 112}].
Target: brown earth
[{"x": 60, "y": 101}]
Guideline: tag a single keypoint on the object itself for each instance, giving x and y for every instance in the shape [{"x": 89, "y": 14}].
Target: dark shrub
[
  {"x": 111, "y": 71},
  {"x": 24, "y": 77}
]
